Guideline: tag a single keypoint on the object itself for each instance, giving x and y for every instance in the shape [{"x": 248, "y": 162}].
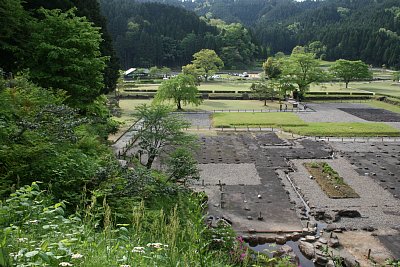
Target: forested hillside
[
  {"x": 149, "y": 34},
  {"x": 16, "y": 32},
  {"x": 358, "y": 29},
  {"x": 366, "y": 30}
]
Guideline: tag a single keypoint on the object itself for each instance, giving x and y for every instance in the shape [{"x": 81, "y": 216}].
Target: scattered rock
[
  {"x": 249, "y": 218},
  {"x": 330, "y": 264},
  {"x": 333, "y": 243},
  {"x": 321, "y": 259},
  {"x": 227, "y": 219},
  {"x": 368, "y": 228},
  {"x": 330, "y": 227},
  {"x": 280, "y": 240},
  {"x": 349, "y": 213},
  {"x": 252, "y": 231},
  {"x": 349, "y": 260},
  {"x": 323, "y": 240},
  {"x": 270, "y": 239},
  {"x": 307, "y": 249},
  {"x": 288, "y": 237},
  {"x": 310, "y": 238},
  {"x": 261, "y": 240},
  {"x": 296, "y": 236}
]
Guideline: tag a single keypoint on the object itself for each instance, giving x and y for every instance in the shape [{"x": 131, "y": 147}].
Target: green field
[
  {"x": 383, "y": 105},
  {"x": 354, "y": 129},
  {"x": 290, "y": 122},
  {"x": 385, "y": 88},
  {"x": 128, "y": 105},
  {"x": 273, "y": 119},
  {"x": 221, "y": 85}
]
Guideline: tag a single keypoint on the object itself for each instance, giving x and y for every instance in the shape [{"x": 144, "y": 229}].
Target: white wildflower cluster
[
  {"x": 76, "y": 256},
  {"x": 65, "y": 264},
  {"x": 156, "y": 245},
  {"x": 138, "y": 249}
]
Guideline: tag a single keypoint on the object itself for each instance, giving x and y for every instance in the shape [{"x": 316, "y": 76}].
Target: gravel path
[
  {"x": 201, "y": 120},
  {"x": 377, "y": 206}
]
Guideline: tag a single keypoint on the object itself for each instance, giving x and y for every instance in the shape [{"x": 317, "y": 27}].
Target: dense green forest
[
  {"x": 149, "y": 34},
  {"x": 359, "y": 29},
  {"x": 17, "y": 28}
]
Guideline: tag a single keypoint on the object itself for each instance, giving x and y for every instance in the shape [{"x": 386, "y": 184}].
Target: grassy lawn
[
  {"x": 383, "y": 105},
  {"x": 386, "y": 88},
  {"x": 332, "y": 87},
  {"x": 221, "y": 85},
  {"x": 226, "y": 86},
  {"x": 128, "y": 105},
  {"x": 274, "y": 119},
  {"x": 344, "y": 129},
  {"x": 292, "y": 123}
]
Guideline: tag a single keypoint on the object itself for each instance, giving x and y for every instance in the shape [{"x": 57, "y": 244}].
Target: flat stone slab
[
  {"x": 229, "y": 174},
  {"x": 373, "y": 114}
]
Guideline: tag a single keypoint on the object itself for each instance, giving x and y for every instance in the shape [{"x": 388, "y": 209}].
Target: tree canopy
[
  {"x": 302, "y": 69},
  {"x": 272, "y": 68},
  {"x": 208, "y": 62},
  {"x": 264, "y": 91},
  {"x": 70, "y": 61},
  {"x": 349, "y": 71},
  {"x": 180, "y": 89},
  {"x": 159, "y": 129}
]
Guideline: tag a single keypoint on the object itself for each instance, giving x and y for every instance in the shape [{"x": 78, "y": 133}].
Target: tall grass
[{"x": 35, "y": 234}]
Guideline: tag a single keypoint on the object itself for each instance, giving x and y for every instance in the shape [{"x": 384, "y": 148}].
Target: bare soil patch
[
  {"x": 330, "y": 181},
  {"x": 373, "y": 114}
]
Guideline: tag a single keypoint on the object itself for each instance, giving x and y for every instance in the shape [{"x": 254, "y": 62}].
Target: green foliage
[
  {"x": 180, "y": 89},
  {"x": 182, "y": 166},
  {"x": 327, "y": 169},
  {"x": 207, "y": 61},
  {"x": 264, "y": 91},
  {"x": 272, "y": 68},
  {"x": 13, "y": 21},
  {"x": 37, "y": 233},
  {"x": 192, "y": 70},
  {"x": 42, "y": 139},
  {"x": 159, "y": 128},
  {"x": 302, "y": 69},
  {"x": 396, "y": 76},
  {"x": 70, "y": 61},
  {"x": 317, "y": 48},
  {"x": 350, "y": 70},
  {"x": 238, "y": 50}
]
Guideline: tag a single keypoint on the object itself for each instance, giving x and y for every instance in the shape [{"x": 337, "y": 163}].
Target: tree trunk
[
  {"x": 178, "y": 105},
  {"x": 150, "y": 161},
  {"x": 347, "y": 84},
  {"x": 265, "y": 102}
]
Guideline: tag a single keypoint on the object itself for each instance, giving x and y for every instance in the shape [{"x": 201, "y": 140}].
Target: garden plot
[
  {"x": 377, "y": 161},
  {"x": 239, "y": 176},
  {"x": 375, "y": 207},
  {"x": 373, "y": 114},
  {"x": 241, "y": 183}
]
